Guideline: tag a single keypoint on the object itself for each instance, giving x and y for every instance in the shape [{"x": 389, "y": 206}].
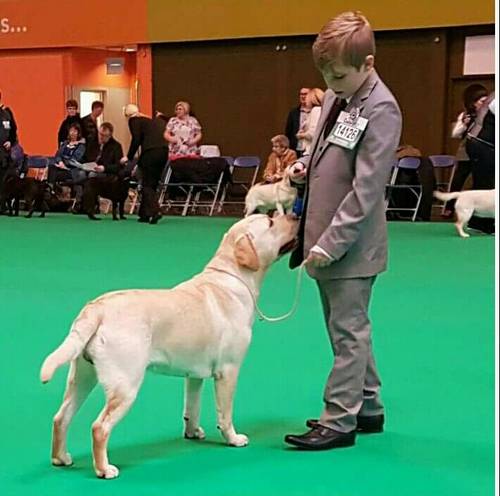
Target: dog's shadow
[{"x": 131, "y": 455}]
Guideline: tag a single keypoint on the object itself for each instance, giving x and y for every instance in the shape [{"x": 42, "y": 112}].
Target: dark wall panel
[{"x": 242, "y": 90}]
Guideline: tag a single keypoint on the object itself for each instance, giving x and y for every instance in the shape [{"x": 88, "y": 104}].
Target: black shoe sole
[{"x": 360, "y": 429}]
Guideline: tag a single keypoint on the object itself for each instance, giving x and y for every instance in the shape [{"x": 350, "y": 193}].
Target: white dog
[
  {"x": 278, "y": 196},
  {"x": 197, "y": 330},
  {"x": 474, "y": 202}
]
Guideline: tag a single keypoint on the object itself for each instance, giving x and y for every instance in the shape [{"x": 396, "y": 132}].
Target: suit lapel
[{"x": 357, "y": 100}]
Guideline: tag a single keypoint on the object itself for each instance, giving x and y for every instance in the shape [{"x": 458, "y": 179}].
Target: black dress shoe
[
  {"x": 365, "y": 425},
  {"x": 322, "y": 438},
  {"x": 93, "y": 217},
  {"x": 143, "y": 220}
]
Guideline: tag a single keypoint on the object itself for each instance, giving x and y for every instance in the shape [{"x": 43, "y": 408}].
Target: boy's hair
[
  {"x": 72, "y": 104},
  {"x": 281, "y": 139},
  {"x": 347, "y": 38},
  {"x": 97, "y": 104}
]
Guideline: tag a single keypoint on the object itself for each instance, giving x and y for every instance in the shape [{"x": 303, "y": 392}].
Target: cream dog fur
[
  {"x": 473, "y": 202},
  {"x": 278, "y": 196},
  {"x": 197, "y": 330}
]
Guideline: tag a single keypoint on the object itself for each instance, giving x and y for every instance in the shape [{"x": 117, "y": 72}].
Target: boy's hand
[{"x": 317, "y": 260}]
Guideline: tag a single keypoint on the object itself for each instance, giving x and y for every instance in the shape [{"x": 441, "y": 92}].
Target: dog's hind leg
[
  {"x": 192, "y": 400},
  {"x": 225, "y": 385},
  {"x": 114, "y": 210},
  {"x": 121, "y": 380},
  {"x": 81, "y": 381}
]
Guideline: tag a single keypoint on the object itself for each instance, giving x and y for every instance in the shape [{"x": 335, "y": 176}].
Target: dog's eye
[{"x": 271, "y": 222}]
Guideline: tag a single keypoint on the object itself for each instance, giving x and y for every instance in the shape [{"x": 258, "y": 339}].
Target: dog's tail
[
  {"x": 446, "y": 196},
  {"x": 84, "y": 327}
]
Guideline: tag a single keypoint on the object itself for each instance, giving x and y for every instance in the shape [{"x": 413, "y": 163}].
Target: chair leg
[
  {"x": 419, "y": 199},
  {"x": 188, "y": 200}
]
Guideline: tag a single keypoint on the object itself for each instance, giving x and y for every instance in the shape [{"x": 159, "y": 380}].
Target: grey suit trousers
[{"x": 353, "y": 386}]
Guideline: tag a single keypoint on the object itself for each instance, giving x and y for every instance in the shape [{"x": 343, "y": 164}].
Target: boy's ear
[{"x": 369, "y": 62}]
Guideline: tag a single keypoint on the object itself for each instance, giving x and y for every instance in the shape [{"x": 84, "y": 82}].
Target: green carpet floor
[{"x": 433, "y": 315}]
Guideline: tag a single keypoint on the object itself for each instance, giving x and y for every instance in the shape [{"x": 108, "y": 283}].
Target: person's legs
[
  {"x": 346, "y": 302},
  {"x": 428, "y": 182},
  {"x": 483, "y": 177},
  {"x": 78, "y": 177},
  {"x": 152, "y": 164},
  {"x": 462, "y": 172}
]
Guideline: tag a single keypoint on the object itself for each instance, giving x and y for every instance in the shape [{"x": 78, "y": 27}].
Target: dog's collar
[{"x": 236, "y": 276}]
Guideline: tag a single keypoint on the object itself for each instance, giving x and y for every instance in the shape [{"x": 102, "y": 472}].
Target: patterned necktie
[{"x": 337, "y": 107}]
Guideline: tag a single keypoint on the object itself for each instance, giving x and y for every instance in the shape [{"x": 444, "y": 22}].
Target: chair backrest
[
  {"x": 209, "y": 151},
  {"x": 442, "y": 160},
  {"x": 245, "y": 170},
  {"x": 247, "y": 161},
  {"x": 229, "y": 160},
  {"x": 409, "y": 163},
  {"x": 38, "y": 161}
]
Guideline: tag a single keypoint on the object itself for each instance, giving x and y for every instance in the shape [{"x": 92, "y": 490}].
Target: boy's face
[{"x": 345, "y": 80}]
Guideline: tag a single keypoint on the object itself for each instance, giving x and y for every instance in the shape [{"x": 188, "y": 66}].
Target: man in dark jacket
[
  {"x": 72, "y": 117},
  {"x": 8, "y": 138},
  {"x": 295, "y": 119},
  {"x": 107, "y": 165},
  {"x": 89, "y": 131},
  {"x": 148, "y": 134}
]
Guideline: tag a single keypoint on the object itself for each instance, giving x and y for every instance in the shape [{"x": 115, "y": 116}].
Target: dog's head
[{"x": 258, "y": 240}]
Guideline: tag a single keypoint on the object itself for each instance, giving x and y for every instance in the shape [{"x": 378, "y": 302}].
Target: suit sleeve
[
  {"x": 136, "y": 132},
  {"x": 373, "y": 163}
]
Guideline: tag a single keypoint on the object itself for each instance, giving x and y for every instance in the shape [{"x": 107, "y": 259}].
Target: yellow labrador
[
  {"x": 469, "y": 203},
  {"x": 197, "y": 330}
]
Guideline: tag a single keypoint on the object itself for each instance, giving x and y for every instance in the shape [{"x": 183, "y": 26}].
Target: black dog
[
  {"x": 36, "y": 194},
  {"x": 113, "y": 188}
]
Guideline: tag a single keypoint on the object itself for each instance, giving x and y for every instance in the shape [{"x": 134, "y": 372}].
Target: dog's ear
[{"x": 245, "y": 253}]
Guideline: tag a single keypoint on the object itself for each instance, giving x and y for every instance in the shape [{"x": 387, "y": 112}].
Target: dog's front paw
[
  {"x": 238, "y": 441},
  {"x": 110, "y": 472},
  {"x": 197, "y": 433},
  {"x": 62, "y": 460}
]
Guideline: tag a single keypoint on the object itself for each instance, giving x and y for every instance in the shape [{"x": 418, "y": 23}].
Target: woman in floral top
[{"x": 183, "y": 132}]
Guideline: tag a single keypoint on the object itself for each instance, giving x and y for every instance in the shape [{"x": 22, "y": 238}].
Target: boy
[{"x": 343, "y": 234}]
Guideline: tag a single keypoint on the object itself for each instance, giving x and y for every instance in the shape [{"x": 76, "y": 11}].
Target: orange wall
[
  {"x": 63, "y": 23},
  {"x": 145, "y": 79},
  {"x": 32, "y": 84},
  {"x": 35, "y": 84},
  {"x": 88, "y": 68}
]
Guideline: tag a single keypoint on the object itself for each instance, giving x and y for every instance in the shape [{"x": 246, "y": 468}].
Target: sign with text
[{"x": 60, "y": 23}]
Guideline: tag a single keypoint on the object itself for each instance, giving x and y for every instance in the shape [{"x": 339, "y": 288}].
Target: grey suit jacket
[{"x": 344, "y": 208}]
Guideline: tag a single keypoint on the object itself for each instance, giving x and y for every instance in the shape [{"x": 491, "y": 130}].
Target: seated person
[
  {"x": 183, "y": 133},
  {"x": 107, "y": 165},
  {"x": 73, "y": 149},
  {"x": 280, "y": 158}
]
